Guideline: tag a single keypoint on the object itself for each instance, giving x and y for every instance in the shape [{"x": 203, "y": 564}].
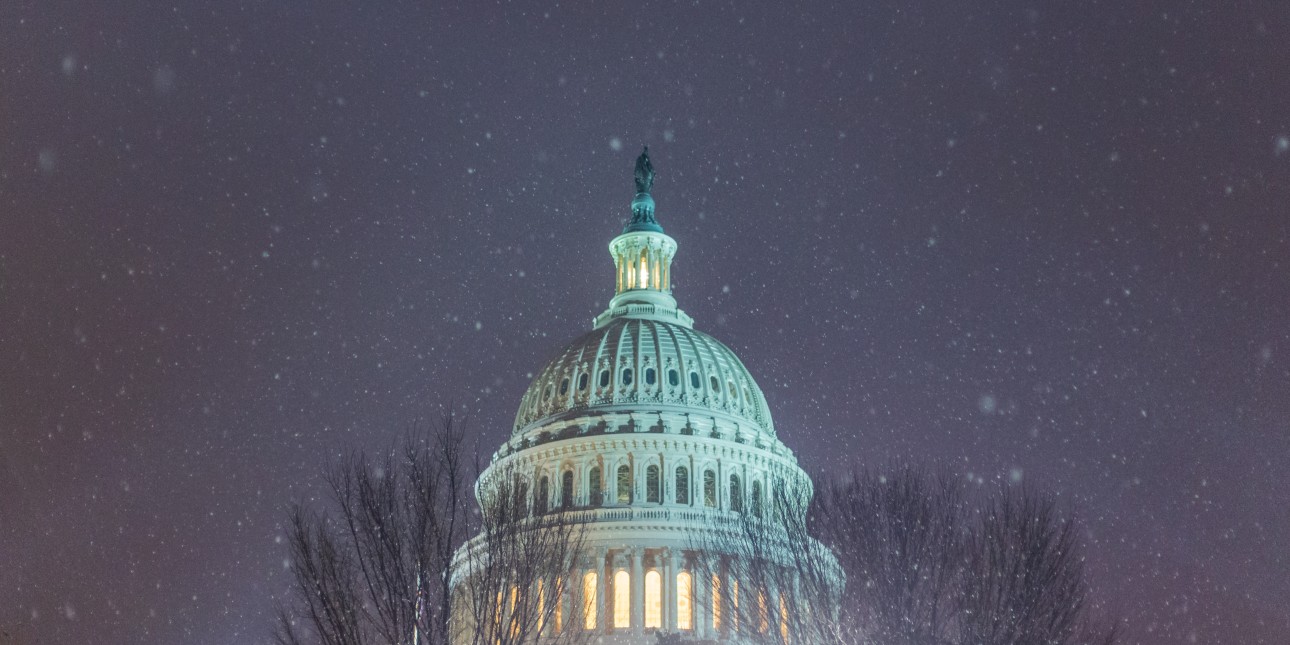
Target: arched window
[
  {"x": 716, "y": 602},
  {"x": 582, "y": 381},
  {"x": 589, "y": 588},
  {"x": 541, "y": 606},
  {"x": 521, "y": 499},
  {"x": 716, "y": 385},
  {"x": 673, "y": 378},
  {"x": 566, "y": 489},
  {"x": 682, "y": 491},
  {"x": 650, "y": 376},
  {"x": 653, "y": 485},
  {"x": 653, "y": 599},
  {"x": 730, "y": 387},
  {"x": 564, "y": 386},
  {"x": 694, "y": 380},
  {"x": 783, "y": 617},
  {"x": 595, "y": 496},
  {"x": 709, "y": 489},
  {"x": 756, "y": 499},
  {"x": 763, "y": 612},
  {"x": 622, "y": 600},
  {"x": 627, "y": 376},
  {"x": 624, "y": 484},
  {"x": 604, "y": 378},
  {"x": 547, "y": 395},
  {"x": 557, "y": 615},
  {"x": 734, "y": 603},
  {"x": 543, "y": 494},
  {"x": 643, "y": 282},
  {"x": 684, "y": 600},
  {"x": 736, "y": 494}
]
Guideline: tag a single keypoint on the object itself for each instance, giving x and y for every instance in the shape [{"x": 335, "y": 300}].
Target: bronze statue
[{"x": 644, "y": 172}]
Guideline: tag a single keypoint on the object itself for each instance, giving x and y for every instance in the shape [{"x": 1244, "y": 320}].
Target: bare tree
[
  {"x": 514, "y": 578},
  {"x": 923, "y": 563},
  {"x": 900, "y": 538},
  {"x": 382, "y": 561},
  {"x": 758, "y": 566},
  {"x": 1024, "y": 578},
  {"x": 373, "y": 566}
]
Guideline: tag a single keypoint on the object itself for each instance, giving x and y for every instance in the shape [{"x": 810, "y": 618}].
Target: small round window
[
  {"x": 582, "y": 381},
  {"x": 673, "y": 378},
  {"x": 694, "y": 380},
  {"x": 564, "y": 386},
  {"x": 627, "y": 376},
  {"x": 716, "y": 385},
  {"x": 604, "y": 378},
  {"x": 650, "y": 376}
]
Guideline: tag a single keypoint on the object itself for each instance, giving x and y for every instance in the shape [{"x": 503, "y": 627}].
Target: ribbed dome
[{"x": 642, "y": 364}]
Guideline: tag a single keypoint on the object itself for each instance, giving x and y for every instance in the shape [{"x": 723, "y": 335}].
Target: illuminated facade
[{"x": 650, "y": 434}]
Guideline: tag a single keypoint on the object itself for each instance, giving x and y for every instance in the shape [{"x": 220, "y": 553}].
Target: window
[
  {"x": 736, "y": 494},
  {"x": 673, "y": 378},
  {"x": 604, "y": 378},
  {"x": 682, "y": 485},
  {"x": 558, "y": 592},
  {"x": 734, "y": 603},
  {"x": 763, "y": 612},
  {"x": 684, "y": 601},
  {"x": 594, "y": 495},
  {"x": 564, "y": 386},
  {"x": 547, "y": 395},
  {"x": 730, "y": 387},
  {"x": 756, "y": 499},
  {"x": 653, "y": 485},
  {"x": 589, "y": 600},
  {"x": 624, "y": 484},
  {"x": 582, "y": 381},
  {"x": 543, "y": 494},
  {"x": 716, "y": 602},
  {"x": 653, "y": 600},
  {"x": 622, "y": 600},
  {"x": 566, "y": 489},
  {"x": 783, "y": 617},
  {"x": 716, "y": 385},
  {"x": 521, "y": 499},
  {"x": 627, "y": 376},
  {"x": 694, "y": 380},
  {"x": 709, "y": 489},
  {"x": 650, "y": 377},
  {"x": 541, "y": 606}
]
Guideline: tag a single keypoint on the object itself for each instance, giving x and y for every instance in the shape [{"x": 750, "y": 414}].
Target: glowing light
[
  {"x": 653, "y": 599},
  {"x": 684, "y": 608},
  {"x": 622, "y": 600},
  {"x": 589, "y": 600}
]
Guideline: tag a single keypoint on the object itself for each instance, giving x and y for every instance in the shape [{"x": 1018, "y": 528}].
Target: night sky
[{"x": 1032, "y": 241}]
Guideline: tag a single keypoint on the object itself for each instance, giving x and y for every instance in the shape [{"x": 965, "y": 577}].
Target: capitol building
[{"x": 650, "y": 436}]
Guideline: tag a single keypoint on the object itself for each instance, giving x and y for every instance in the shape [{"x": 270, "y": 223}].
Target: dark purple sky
[{"x": 240, "y": 238}]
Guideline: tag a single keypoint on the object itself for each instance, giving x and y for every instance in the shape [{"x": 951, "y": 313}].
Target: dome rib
[{"x": 639, "y": 345}]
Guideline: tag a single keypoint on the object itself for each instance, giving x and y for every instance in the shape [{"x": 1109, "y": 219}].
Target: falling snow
[{"x": 1038, "y": 244}]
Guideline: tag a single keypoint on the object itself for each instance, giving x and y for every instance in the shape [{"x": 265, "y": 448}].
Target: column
[
  {"x": 603, "y": 582},
  {"x": 638, "y": 590},
  {"x": 670, "y": 598},
  {"x": 702, "y": 576}
]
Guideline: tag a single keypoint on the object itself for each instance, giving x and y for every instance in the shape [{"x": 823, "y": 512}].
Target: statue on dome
[{"x": 644, "y": 172}]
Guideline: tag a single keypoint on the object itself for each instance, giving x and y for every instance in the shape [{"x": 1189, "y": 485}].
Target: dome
[{"x": 633, "y": 363}]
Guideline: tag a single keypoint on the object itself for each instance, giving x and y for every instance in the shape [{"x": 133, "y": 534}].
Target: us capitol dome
[{"x": 650, "y": 435}]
